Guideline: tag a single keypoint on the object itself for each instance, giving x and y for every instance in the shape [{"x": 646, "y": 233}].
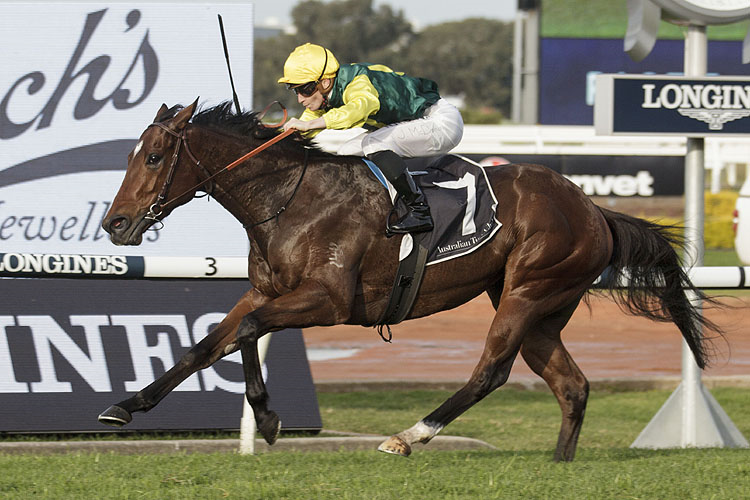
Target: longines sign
[
  {"x": 686, "y": 106},
  {"x": 70, "y": 348}
]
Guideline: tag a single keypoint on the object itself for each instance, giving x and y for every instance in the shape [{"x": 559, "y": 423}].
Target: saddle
[{"x": 463, "y": 208}]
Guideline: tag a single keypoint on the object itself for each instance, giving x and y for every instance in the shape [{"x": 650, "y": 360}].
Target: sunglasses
[
  {"x": 303, "y": 89},
  {"x": 309, "y": 88}
]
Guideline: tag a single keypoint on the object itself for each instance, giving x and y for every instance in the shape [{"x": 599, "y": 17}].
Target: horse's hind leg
[
  {"x": 218, "y": 343},
  {"x": 545, "y": 354},
  {"x": 513, "y": 318}
]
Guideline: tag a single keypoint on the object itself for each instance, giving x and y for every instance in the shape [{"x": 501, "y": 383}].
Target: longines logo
[
  {"x": 712, "y": 104},
  {"x": 715, "y": 119},
  {"x": 23, "y": 263},
  {"x": 87, "y": 75}
]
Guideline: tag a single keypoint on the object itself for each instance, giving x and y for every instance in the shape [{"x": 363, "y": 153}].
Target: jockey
[{"x": 403, "y": 117}]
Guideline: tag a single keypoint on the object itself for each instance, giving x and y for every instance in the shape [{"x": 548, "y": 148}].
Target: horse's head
[{"x": 156, "y": 172}]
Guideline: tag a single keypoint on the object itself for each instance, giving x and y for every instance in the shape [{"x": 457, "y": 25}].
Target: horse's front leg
[
  {"x": 217, "y": 344},
  {"x": 309, "y": 304}
]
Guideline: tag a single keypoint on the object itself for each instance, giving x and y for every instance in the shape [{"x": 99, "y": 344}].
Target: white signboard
[{"x": 79, "y": 83}]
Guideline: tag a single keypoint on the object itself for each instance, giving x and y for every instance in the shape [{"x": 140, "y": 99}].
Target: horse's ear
[
  {"x": 161, "y": 112},
  {"x": 184, "y": 116}
]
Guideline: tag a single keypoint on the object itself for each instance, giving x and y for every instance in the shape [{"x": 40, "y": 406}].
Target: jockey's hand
[
  {"x": 296, "y": 124},
  {"x": 304, "y": 126}
]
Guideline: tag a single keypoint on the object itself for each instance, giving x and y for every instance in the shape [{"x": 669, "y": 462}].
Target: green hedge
[
  {"x": 717, "y": 226},
  {"x": 718, "y": 232}
]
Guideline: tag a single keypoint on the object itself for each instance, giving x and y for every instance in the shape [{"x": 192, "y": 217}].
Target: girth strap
[{"x": 406, "y": 286}]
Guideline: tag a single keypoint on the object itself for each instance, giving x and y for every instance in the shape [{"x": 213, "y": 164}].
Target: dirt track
[{"x": 604, "y": 342}]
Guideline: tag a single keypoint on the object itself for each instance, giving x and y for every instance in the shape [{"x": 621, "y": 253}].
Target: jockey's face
[{"x": 315, "y": 101}]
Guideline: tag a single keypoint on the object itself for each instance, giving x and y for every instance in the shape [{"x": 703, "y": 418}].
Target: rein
[
  {"x": 157, "y": 208},
  {"x": 283, "y": 208}
]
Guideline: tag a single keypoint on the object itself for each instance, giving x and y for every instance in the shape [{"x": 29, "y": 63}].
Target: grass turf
[{"x": 522, "y": 424}]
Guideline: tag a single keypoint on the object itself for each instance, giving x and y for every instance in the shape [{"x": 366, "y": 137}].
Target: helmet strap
[{"x": 324, "y": 92}]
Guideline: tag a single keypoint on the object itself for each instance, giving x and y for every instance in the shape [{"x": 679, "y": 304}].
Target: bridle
[{"x": 157, "y": 208}]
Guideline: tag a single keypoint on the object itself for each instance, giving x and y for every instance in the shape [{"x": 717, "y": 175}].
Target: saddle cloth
[{"x": 461, "y": 201}]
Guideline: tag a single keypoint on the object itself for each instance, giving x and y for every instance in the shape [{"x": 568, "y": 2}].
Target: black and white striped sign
[{"x": 41, "y": 265}]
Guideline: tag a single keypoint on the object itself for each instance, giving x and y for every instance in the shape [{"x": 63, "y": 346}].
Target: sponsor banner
[
  {"x": 80, "y": 83},
  {"x": 597, "y": 175},
  {"x": 38, "y": 265},
  {"x": 24, "y": 265},
  {"x": 697, "y": 107},
  {"x": 567, "y": 86},
  {"x": 69, "y": 349}
]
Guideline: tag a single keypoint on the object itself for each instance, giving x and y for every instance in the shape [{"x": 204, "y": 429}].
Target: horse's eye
[{"x": 153, "y": 159}]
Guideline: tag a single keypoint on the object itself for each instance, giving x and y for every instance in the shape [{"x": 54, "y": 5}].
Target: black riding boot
[{"x": 417, "y": 218}]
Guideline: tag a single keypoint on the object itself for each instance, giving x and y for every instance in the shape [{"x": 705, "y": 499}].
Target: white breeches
[{"x": 436, "y": 133}]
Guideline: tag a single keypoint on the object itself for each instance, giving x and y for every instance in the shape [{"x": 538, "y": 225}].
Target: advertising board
[
  {"x": 601, "y": 175},
  {"x": 80, "y": 82},
  {"x": 567, "y": 85},
  {"x": 693, "y": 107},
  {"x": 71, "y": 348}
]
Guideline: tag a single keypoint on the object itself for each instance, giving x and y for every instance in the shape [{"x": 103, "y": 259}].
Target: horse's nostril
[{"x": 117, "y": 224}]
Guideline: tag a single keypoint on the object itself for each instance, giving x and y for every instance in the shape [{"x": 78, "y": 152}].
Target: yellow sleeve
[
  {"x": 361, "y": 100},
  {"x": 308, "y": 115}
]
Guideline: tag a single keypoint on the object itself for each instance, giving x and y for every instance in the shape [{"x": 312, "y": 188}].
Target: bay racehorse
[{"x": 319, "y": 256}]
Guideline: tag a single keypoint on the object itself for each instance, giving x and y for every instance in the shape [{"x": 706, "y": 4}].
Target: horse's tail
[{"x": 645, "y": 257}]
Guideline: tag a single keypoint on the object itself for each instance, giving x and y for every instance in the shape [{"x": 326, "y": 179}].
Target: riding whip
[{"x": 229, "y": 66}]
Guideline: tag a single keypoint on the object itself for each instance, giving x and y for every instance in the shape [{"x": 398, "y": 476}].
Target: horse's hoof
[
  {"x": 270, "y": 428},
  {"x": 115, "y": 416},
  {"x": 396, "y": 446}
]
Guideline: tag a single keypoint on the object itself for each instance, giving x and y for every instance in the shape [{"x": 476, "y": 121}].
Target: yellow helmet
[{"x": 309, "y": 63}]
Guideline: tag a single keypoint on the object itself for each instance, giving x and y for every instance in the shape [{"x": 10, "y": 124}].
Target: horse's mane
[
  {"x": 223, "y": 118},
  {"x": 245, "y": 125}
]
